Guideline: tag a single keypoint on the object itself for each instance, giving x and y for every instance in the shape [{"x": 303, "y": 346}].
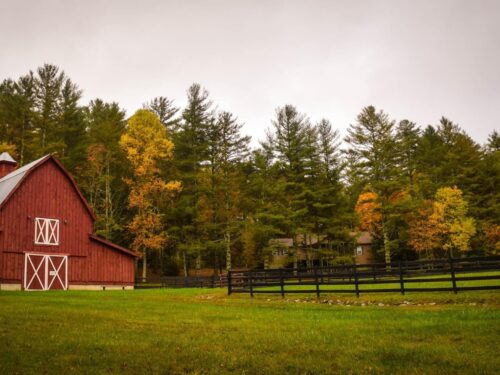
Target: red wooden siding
[
  {"x": 109, "y": 266},
  {"x": 12, "y": 267},
  {"x": 47, "y": 192}
]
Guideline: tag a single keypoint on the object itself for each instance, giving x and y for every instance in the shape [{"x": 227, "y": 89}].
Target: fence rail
[
  {"x": 370, "y": 278},
  {"x": 186, "y": 282}
]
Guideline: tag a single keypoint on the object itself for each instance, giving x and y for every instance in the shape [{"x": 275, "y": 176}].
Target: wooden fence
[
  {"x": 186, "y": 282},
  {"x": 370, "y": 278}
]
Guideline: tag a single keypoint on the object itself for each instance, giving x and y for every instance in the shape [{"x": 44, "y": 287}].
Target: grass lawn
[{"x": 199, "y": 331}]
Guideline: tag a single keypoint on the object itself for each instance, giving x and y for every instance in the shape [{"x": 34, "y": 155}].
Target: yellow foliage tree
[
  {"x": 451, "y": 210},
  {"x": 445, "y": 226},
  {"x": 145, "y": 143}
]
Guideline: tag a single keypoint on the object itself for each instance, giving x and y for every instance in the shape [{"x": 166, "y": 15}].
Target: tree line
[{"x": 184, "y": 187}]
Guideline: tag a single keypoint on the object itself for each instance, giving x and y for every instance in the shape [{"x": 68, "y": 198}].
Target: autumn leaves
[{"x": 145, "y": 143}]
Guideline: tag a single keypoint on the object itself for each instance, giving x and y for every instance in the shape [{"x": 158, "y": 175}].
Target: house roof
[
  {"x": 301, "y": 240},
  {"x": 284, "y": 242},
  {"x": 11, "y": 182},
  {"x": 364, "y": 238}
]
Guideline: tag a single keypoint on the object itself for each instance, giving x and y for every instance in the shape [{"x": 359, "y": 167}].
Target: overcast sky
[{"x": 415, "y": 59}]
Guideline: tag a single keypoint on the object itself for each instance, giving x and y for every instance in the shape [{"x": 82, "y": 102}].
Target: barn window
[
  {"x": 46, "y": 231},
  {"x": 359, "y": 250}
]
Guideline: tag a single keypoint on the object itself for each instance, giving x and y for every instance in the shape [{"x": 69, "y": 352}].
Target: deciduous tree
[{"x": 145, "y": 143}]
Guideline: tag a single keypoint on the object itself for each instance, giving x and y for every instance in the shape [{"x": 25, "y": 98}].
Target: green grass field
[
  {"x": 365, "y": 288},
  {"x": 199, "y": 331}
]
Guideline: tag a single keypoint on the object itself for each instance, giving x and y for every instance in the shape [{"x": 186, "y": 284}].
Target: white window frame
[
  {"x": 359, "y": 250},
  {"x": 46, "y": 231}
]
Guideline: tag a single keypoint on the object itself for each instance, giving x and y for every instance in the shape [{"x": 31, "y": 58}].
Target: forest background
[{"x": 184, "y": 187}]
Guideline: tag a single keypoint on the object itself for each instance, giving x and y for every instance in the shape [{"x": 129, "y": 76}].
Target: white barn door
[{"x": 45, "y": 271}]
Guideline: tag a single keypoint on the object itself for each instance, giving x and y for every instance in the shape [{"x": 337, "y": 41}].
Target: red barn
[{"x": 46, "y": 237}]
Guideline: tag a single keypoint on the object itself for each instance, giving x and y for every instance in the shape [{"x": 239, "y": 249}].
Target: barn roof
[
  {"x": 11, "y": 182},
  {"x": 5, "y": 157},
  {"x": 113, "y": 245}
]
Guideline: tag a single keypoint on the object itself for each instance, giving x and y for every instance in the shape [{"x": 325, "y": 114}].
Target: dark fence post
[
  {"x": 317, "y": 281},
  {"x": 401, "y": 280},
  {"x": 251, "y": 282},
  {"x": 453, "y": 279},
  {"x": 282, "y": 284},
  {"x": 356, "y": 285},
  {"x": 229, "y": 285}
]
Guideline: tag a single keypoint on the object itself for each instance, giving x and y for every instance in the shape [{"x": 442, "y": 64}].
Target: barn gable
[{"x": 11, "y": 182}]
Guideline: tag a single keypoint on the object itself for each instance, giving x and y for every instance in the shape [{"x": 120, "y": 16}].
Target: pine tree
[
  {"x": 290, "y": 142},
  {"x": 447, "y": 156},
  {"x": 165, "y": 110},
  {"x": 227, "y": 149},
  {"x": 374, "y": 151},
  {"x": 72, "y": 128},
  {"x": 49, "y": 82},
  {"x": 408, "y": 136},
  {"x": 102, "y": 176},
  {"x": 328, "y": 206},
  {"x": 17, "y": 114},
  {"x": 190, "y": 154}
]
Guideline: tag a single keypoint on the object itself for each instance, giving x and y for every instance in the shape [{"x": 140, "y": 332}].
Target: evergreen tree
[
  {"x": 447, "y": 157},
  {"x": 332, "y": 213},
  {"x": 408, "y": 136},
  {"x": 106, "y": 167},
  {"x": 17, "y": 114},
  {"x": 221, "y": 190},
  {"x": 190, "y": 154},
  {"x": 290, "y": 143},
  {"x": 72, "y": 128},
  {"x": 49, "y": 82},
  {"x": 375, "y": 153},
  {"x": 165, "y": 110}
]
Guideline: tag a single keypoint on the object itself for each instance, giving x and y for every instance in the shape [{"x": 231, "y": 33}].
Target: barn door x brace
[{"x": 45, "y": 271}]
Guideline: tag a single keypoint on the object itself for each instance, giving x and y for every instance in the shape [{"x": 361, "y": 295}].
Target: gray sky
[{"x": 414, "y": 59}]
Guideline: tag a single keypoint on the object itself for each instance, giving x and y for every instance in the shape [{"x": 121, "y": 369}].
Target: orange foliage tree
[
  {"x": 425, "y": 230},
  {"x": 492, "y": 233},
  {"x": 368, "y": 210}
]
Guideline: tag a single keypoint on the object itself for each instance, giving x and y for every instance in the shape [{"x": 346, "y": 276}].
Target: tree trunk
[
  {"x": 227, "y": 238},
  {"x": 107, "y": 198},
  {"x": 144, "y": 266},
  {"x": 184, "y": 263},
  {"x": 23, "y": 132},
  {"x": 387, "y": 248}
]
